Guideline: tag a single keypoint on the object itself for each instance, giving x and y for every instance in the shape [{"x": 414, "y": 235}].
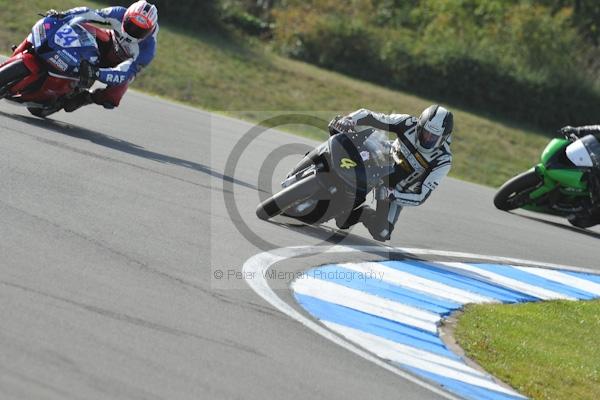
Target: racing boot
[
  {"x": 370, "y": 221},
  {"x": 345, "y": 221},
  {"x": 380, "y": 222},
  {"x": 79, "y": 100}
]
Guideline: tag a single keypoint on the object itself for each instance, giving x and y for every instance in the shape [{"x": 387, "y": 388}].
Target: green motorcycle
[{"x": 564, "y": 183}]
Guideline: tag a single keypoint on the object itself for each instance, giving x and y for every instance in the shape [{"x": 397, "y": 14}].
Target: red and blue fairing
[
  {"x": 52, "y": 53},
  {"x": 63, "y": 44}
]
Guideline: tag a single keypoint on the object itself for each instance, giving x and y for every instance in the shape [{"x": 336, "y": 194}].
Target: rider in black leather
[
  {"x": 571, "y": 132},
  {"x": 422, "y": 156},
  {"x": 574, "y": 134}
]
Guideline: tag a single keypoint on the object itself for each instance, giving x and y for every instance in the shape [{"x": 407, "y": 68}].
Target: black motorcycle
[{"x": 333, "y": 179}]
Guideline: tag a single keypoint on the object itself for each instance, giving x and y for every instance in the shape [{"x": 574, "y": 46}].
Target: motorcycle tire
[
  {"x": 515, "y": 188},
  {"x": 278, "y": 203},
  {"x": 313, "y": 216},
  {"x": 12, "y": 73},
  {"x": 584, "y": 222}
]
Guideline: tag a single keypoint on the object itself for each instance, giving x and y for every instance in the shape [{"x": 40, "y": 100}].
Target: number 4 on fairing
[{"x": 332, "y": 179}]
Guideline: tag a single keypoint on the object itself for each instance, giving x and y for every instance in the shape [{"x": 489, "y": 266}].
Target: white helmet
[
  {"x": 140, "y": 21},
  {"x": 434, "y": 128}
]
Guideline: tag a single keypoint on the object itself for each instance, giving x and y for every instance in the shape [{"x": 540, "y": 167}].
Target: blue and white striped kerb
[{"x": 393, "y": 309}]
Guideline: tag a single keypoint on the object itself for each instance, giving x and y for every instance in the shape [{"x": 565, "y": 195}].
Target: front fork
[
  {"x": 548, "y": 185},
  {"x": 32, "y": 64},
  {"x": 313, "y": 157}
]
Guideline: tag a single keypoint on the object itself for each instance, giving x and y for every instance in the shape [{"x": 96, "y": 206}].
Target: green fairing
[
  {"x": 561, "y": 191},
  {"x": 569, "y": 179},
  {"x": 553, "y": 147}
]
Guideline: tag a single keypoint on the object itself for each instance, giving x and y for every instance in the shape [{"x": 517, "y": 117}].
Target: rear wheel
[
  {"x": 515, "y": 193},
  {"x": 288, "y": 197},
  {"x": 12, "y": 73},
  {"x": 587, "y": 220},
  {"x": 583, "y": 222}
]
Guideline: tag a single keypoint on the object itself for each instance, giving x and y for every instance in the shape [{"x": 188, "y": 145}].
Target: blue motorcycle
[{"x": 46, "y": 68}]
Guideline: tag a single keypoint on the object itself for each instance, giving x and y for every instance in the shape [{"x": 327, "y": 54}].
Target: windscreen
[
  {"x": 380, "y": 148},
  {"x": 592, "y": 145},
  {"x": 85, "y": 37}
]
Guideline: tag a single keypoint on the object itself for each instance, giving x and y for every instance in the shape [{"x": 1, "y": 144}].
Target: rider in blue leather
[{"x": 134, "y": 32}]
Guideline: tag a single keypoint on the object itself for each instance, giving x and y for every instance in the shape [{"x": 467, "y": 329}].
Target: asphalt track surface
[{"x": 113, "y": 225}]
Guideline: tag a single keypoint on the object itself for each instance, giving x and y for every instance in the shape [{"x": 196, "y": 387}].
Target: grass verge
[
  {"x": 544, "y": 350},
  {"x": 245, "y": 80}
]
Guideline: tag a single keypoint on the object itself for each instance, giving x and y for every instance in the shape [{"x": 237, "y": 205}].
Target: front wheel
[
  {"x": 278, "y": 203},
  {"x": 515, "y": 192},
  {"x": 10, "y": 74}
]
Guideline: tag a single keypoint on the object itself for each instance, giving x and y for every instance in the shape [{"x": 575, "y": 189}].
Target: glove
[
  {"x": 53, "y": 13},
  {"x": 568, "y": 132},
  {"x": 341, "y": 125},
  {"x": 88, "y": 74}
]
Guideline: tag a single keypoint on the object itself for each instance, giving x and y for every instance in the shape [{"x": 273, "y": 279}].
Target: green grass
[
  {"x": 232, "y": 76},
  {"x": 544, "y": 350}
]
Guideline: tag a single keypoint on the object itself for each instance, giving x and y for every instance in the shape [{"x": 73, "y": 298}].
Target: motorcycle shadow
[
  {"x": 120, "y": 145},
  {"x": 326, "y": 233},
  {"x": 581, "y": 231},
  {"x": 333, "y": 236}
]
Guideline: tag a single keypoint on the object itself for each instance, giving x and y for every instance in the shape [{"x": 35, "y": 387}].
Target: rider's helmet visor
[
  {"x": 428, "y": 139},
  {"x": 138, "y": 26}
]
